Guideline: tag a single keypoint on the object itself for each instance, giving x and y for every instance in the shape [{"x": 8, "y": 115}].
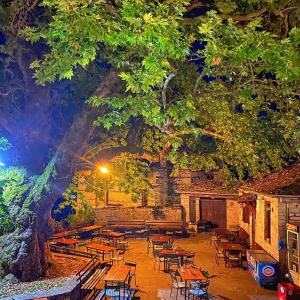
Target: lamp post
[{"x": 104, "y": 170}]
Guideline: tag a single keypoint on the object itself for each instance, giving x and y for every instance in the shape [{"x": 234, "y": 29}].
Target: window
[
  {"x": 268, "y": 222},
  {"x": 246, "y": 214}
]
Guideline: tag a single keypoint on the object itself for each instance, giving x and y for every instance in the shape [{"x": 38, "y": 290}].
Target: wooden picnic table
[
  {"x": 190, "y": 274},
  {"x": 117, "y": 274},
  {"x": 166, "y": 253},
  {"x": 115, "y": 236},
  {"x": 63, "y": 234},
  {"x": 160, "y": 239},
  {"x": 231, "y": 246},
  {"x": 100, "y": 248},
  {"x": 67, "y": 242},
  {"x": 90, "y": 228}
]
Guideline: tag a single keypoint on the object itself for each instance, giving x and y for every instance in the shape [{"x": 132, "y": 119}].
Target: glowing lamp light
[{"x": 103, "y": 170}]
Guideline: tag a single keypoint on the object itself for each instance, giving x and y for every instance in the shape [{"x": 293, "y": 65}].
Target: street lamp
[{"x": 104, "y": 170}]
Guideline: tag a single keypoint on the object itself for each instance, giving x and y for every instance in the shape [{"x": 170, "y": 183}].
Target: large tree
[
  {"x": 228, "y": 78},
  {"x": 210, "y": 84}
]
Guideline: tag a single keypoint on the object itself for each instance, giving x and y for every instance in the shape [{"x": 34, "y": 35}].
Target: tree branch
[
  {"x": 197, "y": 85},
  {"x": 200, "y": 130},
  {"x": 164, "y": 90},
  {"x": 245, "y": 18}
]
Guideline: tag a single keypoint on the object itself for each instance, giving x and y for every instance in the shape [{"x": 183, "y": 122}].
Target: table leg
[{"x": 185, "y": 290}]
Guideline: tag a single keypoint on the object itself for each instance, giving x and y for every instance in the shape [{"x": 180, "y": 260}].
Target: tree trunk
[{"x": 31, "y": 259}]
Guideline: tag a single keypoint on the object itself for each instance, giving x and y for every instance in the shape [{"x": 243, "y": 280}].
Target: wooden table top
[
  {"x": 161, "y": 238},
  {"x": 231, "y": 246},
  {"x": 127, "y": 226},
  {"x": 221, "y": 231},
  {"x": 118, "y": 273},
  {"x": 174, "y": 252},
  {"x": 67, "y": 241},
  {"x": 64, "y": 233},
  {"x": 100, "y": 247},
  {"x": 191, "y": 274},
  {"x": 113, "y": 234},
  {"x": 90, "y": 228}
]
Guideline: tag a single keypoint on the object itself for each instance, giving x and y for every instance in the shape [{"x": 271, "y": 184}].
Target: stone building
[
  {"x": 266, "y": 206},
  {"x": 206, "y": 198}
]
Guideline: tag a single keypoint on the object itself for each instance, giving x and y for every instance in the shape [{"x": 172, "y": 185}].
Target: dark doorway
[
  {"x": 193, "y": 210},
  {"x": 213, "y": 210}
]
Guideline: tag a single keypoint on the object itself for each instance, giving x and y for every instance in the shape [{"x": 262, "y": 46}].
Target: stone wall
[
  {"x": 172, "y": 213},
  {"x": 232, "y": 207},
  {"x": 271, "y": 246}
]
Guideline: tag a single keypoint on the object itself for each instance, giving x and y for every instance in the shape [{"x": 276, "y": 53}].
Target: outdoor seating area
[
  {"x": 228, "y": 246},
  {"x": 115, "y": 271}
]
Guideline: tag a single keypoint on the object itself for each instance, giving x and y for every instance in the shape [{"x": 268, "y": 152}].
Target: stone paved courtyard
[{"x": 233, "y": 284}]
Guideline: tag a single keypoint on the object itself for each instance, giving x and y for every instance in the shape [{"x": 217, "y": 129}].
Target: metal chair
[
  {"x": 233, "y": 259},
  {"x": 132, "y": 273},
  {"x": 173, "y": 261},
  {"x": 120, "y": 256},
  {"x": 219, "y": 255},
  {"x": 157, "y": 259},
  {"x": 189, "y": 260},
  {"x": 175, "y": 284},
  {"x": 149, "y": 245},
  {"x": 199, "y": 292},
  {"x": 112, "y": 291}
]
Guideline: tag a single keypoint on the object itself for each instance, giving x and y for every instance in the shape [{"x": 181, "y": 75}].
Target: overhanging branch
[
  {"x": 200, "y": 130},
  {"x": 164, "y": 90}
]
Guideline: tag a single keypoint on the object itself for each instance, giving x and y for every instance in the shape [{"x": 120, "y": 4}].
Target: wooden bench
[
  {"x": 173, "y": 226},
  {"x": 130, "y": 226},
  {"x": 94, "y": 279},
  {"x": 126, "y": 224}
]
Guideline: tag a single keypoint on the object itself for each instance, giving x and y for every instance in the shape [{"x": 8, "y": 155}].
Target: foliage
[
  {"x": 14, "y": 186},
  {"x": 126, "y": 174},
  {"x": 4, "y": 144},
  {"x": 238, "y": 91},
  {"x": 18, "y": 192}
]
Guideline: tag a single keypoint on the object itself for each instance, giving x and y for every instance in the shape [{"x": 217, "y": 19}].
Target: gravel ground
[
  {"x": 62, "y": 267},
  {"x": 10, "y": 289}
]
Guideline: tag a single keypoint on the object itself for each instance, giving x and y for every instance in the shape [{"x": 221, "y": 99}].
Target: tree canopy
[{"x": 216, "y": 91}]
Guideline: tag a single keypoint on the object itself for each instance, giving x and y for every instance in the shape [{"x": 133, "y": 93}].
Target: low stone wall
[
  {"x": 172, "y": 214},
  {"x": 69, "y": 291}
]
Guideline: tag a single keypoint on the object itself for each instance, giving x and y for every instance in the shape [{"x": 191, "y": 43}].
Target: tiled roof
[
  {"x": 204, "y": 186},
  {"x": 283, "y": 182}
]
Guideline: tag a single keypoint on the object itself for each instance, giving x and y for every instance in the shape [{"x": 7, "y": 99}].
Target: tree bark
[{"x": 34, "y": 263}]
